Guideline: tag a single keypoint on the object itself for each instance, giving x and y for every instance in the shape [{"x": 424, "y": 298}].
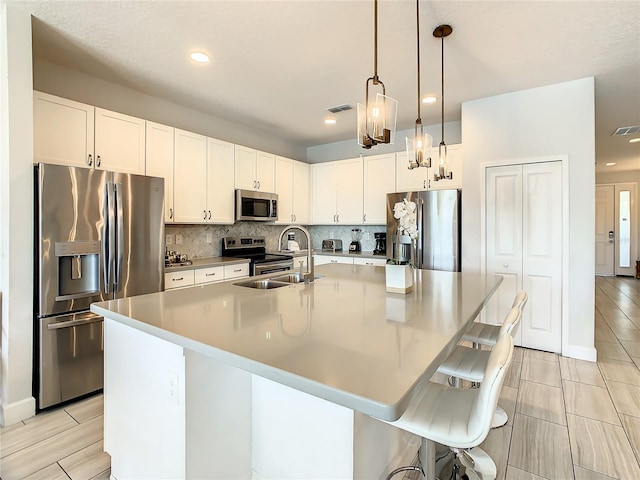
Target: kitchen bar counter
[{"x": 226, "y": 381}]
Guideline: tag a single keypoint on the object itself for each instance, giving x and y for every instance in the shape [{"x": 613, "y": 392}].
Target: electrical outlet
[
  {"x": 168, "y": 239},
  {"x": 174, "y": 386},
  {"x": 331, "y": 235},
  {"x": 209, "y": 238},
  {"x": 178, "y": 239}
]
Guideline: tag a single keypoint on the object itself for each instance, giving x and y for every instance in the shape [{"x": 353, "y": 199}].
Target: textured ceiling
[{"x": 278, "y": 65}]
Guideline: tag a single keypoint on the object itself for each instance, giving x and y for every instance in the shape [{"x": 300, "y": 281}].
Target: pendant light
[
  {"x": 419, "y": 147},
  {"x": 443, "y": 172},
  {"x": 376, "y": 118}
]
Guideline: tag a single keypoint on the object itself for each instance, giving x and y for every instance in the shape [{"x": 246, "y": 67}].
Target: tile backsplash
[{"x": 195, "y": 244}]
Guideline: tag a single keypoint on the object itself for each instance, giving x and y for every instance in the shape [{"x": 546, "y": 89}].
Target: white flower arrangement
[{"x": 405, "y": 212}]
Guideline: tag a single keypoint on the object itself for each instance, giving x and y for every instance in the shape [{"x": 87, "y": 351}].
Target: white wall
[
  {"x": 351, "y": 149},
  {"x": 67, "y": 83},
  {"x": 541, "y": 122},
  {"x": 16, "y": 215}
]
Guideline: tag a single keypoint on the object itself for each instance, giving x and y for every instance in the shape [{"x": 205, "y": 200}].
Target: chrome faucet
[{"x": 309, "y": 276}]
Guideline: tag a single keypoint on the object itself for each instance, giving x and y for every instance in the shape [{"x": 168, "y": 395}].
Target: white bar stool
[{"x": 486, "y": 333}]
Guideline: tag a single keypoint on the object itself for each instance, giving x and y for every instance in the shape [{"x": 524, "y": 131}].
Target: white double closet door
[{"x": 523, "y": 240}]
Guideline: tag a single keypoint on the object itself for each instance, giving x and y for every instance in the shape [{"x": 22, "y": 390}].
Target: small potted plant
[{"x": 399, "y": 269}]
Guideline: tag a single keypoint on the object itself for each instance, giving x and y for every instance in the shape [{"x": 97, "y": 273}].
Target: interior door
[
  {"x": 605, "y": 231},
  {"x": 626, "y": 228}
]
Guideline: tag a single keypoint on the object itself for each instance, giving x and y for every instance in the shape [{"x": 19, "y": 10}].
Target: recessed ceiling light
[
  {"x": 610, "y": 164},
  {"x": 199, "y": 57},
  {"x": 330, "y": 121},
  {"x": 429, "y": 99},
  {"x": 634, "y": 140}
]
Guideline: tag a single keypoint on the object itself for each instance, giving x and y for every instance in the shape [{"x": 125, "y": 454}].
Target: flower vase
[{"x": 399, "y": 278}]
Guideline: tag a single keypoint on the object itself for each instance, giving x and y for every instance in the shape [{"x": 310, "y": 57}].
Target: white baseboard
[
  {"x": 17, "y": 411},
  {"x": 589, "y": 354}
]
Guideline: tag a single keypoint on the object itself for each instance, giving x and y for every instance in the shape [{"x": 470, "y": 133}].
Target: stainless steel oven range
[{"x": 254, "y": 248}]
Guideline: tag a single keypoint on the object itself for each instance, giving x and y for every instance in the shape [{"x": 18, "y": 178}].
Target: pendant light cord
[
  {"x": 375, "y": 42},
  {"x": 418, "y": 50},
  {"x": 442, "y": 72}
]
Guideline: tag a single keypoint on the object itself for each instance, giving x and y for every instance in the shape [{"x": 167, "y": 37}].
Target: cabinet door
[
  {"x": 265, "y": 172},
  {"x": 209, "y": 275},
  {"x": 454, "y": 154},
  {"x": 324, "y": 193},
  {"x": 190, "y": 181},
  {"x": 159, "y": 161},
  {"x": 349, "y": 195},
  {"x": 245, "y": 168},
  {"x": 220, "y": 192},
  {"x": 284, "y": 189},
  {"x": 301, "y": 194},
  {"x": 62, "y": 131},
  {"x": 119, "y": 142},
  {"x": 379, "y": 179},
  {"x": 410, "y": 180}
]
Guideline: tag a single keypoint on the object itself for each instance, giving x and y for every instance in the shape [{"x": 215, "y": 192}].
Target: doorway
[{"x": 616, "y": 248}]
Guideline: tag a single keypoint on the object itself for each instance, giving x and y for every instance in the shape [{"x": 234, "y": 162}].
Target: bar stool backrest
[{"x": 510, "y": 322}]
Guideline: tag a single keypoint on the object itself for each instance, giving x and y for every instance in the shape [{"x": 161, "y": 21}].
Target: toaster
[{"x": 332, "y": 245}]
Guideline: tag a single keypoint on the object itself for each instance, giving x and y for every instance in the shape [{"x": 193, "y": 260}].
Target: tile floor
[{"x": 568, "y": 419}]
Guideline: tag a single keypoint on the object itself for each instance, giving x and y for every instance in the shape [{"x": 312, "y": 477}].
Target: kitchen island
[{"x": 226, "y": 381}]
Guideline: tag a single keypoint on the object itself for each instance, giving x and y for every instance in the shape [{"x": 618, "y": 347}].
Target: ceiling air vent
[
  {"x": 340, "y": 108},
  {"x": 627, "y": 131}
]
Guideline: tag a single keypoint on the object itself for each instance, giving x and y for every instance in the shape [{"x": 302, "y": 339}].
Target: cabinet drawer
[
  {"x": 209, "y": 275},
  {"x": 323, "y": 259},
  {"x": 178, "y": 279},
  {"x": 236, "y": 271},
  {"x": 374, "y": 262}
]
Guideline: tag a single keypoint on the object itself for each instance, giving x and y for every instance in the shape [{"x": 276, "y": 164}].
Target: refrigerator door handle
[
  {"x": 120, "y": 240},
  {"x": 109, "y": 238},
  {"x": 419, "y": 243}
]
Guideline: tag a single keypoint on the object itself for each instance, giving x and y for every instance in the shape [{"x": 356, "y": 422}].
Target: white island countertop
[{"x": 342, "y": 338}]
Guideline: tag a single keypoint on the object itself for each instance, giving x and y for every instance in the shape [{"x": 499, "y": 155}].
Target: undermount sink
[
  {"x": 262, "y": 284},
  {"x": 293, "y": 278}
]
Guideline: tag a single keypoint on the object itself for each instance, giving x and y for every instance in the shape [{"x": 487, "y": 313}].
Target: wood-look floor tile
[
  {"x": 39, "y": 455},
  {"x": 514, "y": 473},
  {"x": 632, "y": 348},
  {"x": 37, "y": 429},
  {"x": 589, "y": 401},
  {"x": 87, "y": 463},
  {"x": 103, "y": 476},
  {"x": 540, "y": 447},
  {"x": 631, "y": 426},
  {"x": 619, "y": 321},
  {"x": 52, "y": 472},
  {"x": 632, "y": 334},
  {"x": 518, "y": 354},
  {"x": 512, "y": 378},
  {"x": 603, "y": 333},
  {"x": 541, "y": 401},
  {"x": 541, "y": 371},
  {"x": 602, "y": 447},
  {"x": 507, "y": 400},
  {"x": 540, "y": 355},
  {"x": 614, "y": 351},
  {"x": 626, "y": 398},
  {"x": 617, "y": 371},
  {"x": 497, "y": 447},
  {"x": 584, "y": 474},
  {"x": 86, "y": 409},
  {"x": 581, "y": 371}
]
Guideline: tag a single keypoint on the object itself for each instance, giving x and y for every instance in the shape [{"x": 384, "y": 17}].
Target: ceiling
[{"x": 278, "y": 65}]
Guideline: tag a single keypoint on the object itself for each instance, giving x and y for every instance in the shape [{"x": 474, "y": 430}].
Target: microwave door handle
[
  {"x": 108, "y": 239},
  {"x": 119, "y": 257}
]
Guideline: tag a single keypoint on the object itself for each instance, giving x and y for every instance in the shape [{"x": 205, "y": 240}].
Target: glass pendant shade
[
  {"x": 419, "y": 148},
  {"x": 443, "y": 163},
  {"x": 377, "y": 121}
]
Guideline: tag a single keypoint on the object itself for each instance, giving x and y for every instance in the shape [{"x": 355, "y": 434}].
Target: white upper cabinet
[
  {"x": 337, "y": 192},
  {"x": 423, "y": 178},
  {"x": 254, "y": 170},
  {"x": 292, "y": 187},
  {"x": 190, "y": 177},
  {"x": 119, "y": 142},
  {"x": 220, "y": 174},
  {"x": 159, "y": 161},
  {"x": 62, "y": 131},
  {"x": 75, "y": 134},
  {"x": 379, "y": 179}
]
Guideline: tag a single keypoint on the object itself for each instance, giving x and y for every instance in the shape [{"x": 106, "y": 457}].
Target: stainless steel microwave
[{"x": 256, "y": 206}]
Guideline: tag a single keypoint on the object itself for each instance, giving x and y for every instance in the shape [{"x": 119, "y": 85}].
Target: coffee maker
[{"x": 381, "y": 243}]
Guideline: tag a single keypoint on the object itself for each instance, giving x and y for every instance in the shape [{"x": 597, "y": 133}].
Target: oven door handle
[{"x": 74, "y": 323}]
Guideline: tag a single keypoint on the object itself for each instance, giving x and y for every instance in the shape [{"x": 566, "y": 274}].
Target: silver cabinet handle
[
  {"x": 171, "y": 213},
  {"x": 238, "y": 270},
  {"x": 338, "y": 218},
  {"x": 364, "y": 217},
  {"x": 177, "y": 279},
  {"x": 255, "y": 184},
  {"x": 209, "y": 214},
  {"x": 295, "y": 218},
  {"x": 258, "y": 184},
  {"x": 292, "y": 217},
  {"x": 424, "y": 184},
  {"x": 98, "y": 161},
  {"x": 90, "y": 160},
  {"x": 205, "y": 215},
  {"x": 334, "y": 261},
  {"x": 209, "y": 274}
]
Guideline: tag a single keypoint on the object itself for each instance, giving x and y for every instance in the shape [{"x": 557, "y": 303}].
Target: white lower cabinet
[
  {"x": 184, "y": 278},
  {"x": 209, "y": 275},
  {"x": 324, "y": 259},
  {"x": 372, "y": 262},
  {"x": 236, "y": 271}
]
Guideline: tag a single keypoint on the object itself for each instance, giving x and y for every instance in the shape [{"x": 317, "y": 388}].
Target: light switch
[
  {"x": 168, "y": 239},
  {"x": 209, "y": 238},
  {"x": 178, "y": 239}
]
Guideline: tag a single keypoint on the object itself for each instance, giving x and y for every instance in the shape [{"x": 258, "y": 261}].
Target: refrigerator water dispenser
[{"x": 78, "y": 269}]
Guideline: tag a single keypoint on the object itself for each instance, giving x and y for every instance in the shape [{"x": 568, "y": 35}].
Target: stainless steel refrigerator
[
  {"x": 438, "y": 216},
  {"x": 99, "y": 236}
]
